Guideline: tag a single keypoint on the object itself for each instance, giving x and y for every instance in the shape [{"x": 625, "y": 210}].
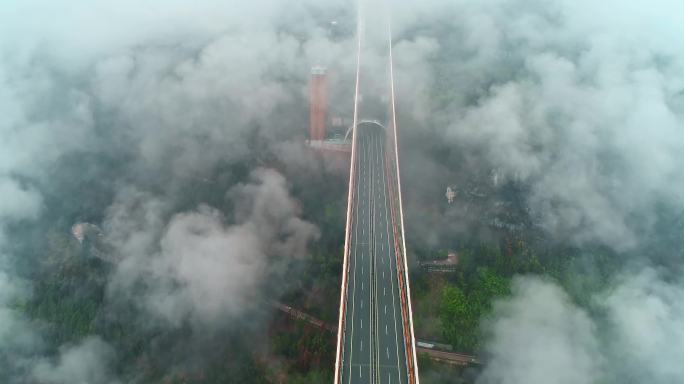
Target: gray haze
[
  {"x": 202, "y": 269},
  {"x": 540, "y": 336},
  {"x": 159, "y": 95},
  {"x": 581, "y": 102},
  {"x": 84, "y": 363}
]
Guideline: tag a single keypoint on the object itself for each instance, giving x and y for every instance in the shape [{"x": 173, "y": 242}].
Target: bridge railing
[
  {"x": 402, "y": 273},
  {"x": 339, "y": 355},
  {"x": 412, "y": 360}
]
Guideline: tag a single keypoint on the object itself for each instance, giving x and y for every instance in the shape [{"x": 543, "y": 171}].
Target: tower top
[{"x": 318, "y": 70}]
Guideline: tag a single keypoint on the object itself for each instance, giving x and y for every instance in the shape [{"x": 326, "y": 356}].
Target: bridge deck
[{"x": 374, "y": 348}]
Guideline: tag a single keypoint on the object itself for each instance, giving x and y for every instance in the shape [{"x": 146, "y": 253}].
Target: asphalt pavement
[{"x": 374, "y": 348}]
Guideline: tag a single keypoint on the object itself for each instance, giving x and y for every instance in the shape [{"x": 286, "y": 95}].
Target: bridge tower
[{"x": 318, "y": 104}]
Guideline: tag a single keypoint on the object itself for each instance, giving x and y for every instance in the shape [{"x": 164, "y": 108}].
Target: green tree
[
  {"x": 461, "y": 311},
  {"x": 458, "y": 318}
]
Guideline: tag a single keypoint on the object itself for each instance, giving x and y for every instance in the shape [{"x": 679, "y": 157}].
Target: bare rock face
[
  {"x": 90, "y": 236},
  {"x": 82, "y": 231}
]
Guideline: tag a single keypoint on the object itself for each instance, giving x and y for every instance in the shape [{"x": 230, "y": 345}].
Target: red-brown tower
[{"x": 318, "y": 104}]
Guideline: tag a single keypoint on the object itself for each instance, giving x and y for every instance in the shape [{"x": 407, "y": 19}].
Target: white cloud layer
[
  {"x": 635, "y": 333},
  {"x": 168, "y": 89},
  {"x": 582, "y": 102},
  {"x": 85, "y": 363},
  {"x": 197, "y": 267}
]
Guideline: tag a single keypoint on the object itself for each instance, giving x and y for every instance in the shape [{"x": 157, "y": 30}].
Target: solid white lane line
[
  {"x": 353, "y": 301},
  {"x": 370, "y": 221}
]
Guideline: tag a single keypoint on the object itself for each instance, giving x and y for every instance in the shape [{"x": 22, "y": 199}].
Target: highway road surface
[{"x": 374, "y": 348}]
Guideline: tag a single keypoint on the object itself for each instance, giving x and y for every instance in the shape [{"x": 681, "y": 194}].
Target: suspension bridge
[{"x": 375, "y": 338}]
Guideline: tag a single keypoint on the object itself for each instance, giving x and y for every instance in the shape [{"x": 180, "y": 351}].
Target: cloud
[
  {"x": 646, "y": 326},
  {"x": 218, "y": 269},
  {"x": 85, "y": 363},
  {"x": 17, "y": 335},
  {"x": 581, "y": 104},
  {"x": 171, "y": 88},
  {"x": 199, "y": 266},
  {"x": 581, "y": 107},
  {"x": 18, "y": 202},
  {"x": 540, "y": 336},
  {"x": 111, "y": 112},
  {"x": 633, "y": 332}
]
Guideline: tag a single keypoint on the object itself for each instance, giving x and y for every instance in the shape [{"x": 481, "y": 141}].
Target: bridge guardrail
[
  {"x": 401, "y": 272},
  {"x": 345, "y": 265},
  {"x": 339, "y": 355}
]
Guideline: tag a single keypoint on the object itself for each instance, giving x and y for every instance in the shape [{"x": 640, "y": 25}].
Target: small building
[
  {"x": 450, "y": 264},
  {"x": 450, "y": 194}
]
